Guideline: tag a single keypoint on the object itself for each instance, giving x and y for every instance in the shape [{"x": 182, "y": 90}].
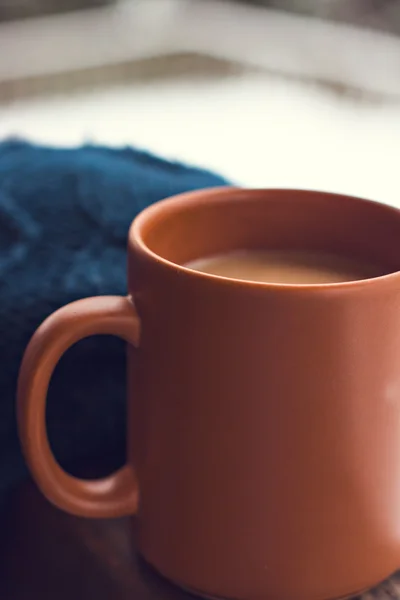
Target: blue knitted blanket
[{"x": 64, "y": 219}]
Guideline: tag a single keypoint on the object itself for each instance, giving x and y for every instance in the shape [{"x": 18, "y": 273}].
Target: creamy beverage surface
[{"x": 289, "y": 266}]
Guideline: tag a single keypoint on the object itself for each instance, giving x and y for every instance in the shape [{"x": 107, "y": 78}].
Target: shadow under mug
[{"x": 263, "y": 454}]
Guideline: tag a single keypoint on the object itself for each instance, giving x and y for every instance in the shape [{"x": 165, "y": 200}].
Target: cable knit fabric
[{"x": 64, "y": 219}]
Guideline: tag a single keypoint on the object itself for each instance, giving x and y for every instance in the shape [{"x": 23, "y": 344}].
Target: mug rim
[{"x": 229, "y": 193}]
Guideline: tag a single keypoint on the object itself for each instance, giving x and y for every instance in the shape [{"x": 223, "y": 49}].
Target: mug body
[{"x": 264, "y": 419}]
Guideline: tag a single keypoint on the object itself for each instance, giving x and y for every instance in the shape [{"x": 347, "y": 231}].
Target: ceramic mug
[{"x": 263, "y": 454}]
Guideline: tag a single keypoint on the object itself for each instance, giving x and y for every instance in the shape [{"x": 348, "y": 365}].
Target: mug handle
[{"x": 112, "y": 496}]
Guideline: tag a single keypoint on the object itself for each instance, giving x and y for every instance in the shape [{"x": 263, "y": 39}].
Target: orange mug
[{"x": 263, "y": 456}]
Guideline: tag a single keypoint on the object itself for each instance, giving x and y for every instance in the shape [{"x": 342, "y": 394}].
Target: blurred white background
[{"x": 256, "y": 127}]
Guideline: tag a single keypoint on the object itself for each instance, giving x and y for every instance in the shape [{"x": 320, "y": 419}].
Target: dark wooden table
[{"x": 49, "y": 555}]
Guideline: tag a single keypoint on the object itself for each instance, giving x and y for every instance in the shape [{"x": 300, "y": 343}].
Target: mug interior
[{"x": 206, "y": 223}]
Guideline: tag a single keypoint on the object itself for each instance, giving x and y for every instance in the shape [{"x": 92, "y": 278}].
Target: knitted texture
[{"x": 64, "y": 219}]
